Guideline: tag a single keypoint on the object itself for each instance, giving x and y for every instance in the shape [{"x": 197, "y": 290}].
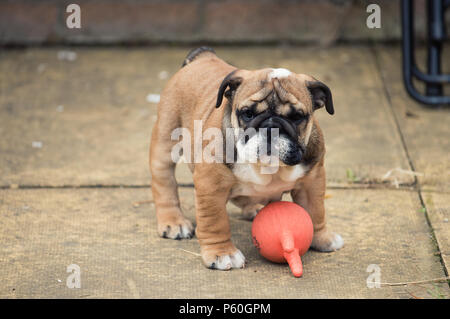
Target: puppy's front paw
[
  {"x": 223, "y": 259},
  {"x": 327, "y": 241},
  {"x": 177, "y": 228}
]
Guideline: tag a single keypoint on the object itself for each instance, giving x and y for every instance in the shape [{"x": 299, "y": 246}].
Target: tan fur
[{"x": 191, "y": 95}]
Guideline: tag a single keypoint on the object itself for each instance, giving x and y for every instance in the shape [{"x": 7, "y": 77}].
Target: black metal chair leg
[
  {"x": 435, "y": 14},
  {"x": 434, "y": 79}
]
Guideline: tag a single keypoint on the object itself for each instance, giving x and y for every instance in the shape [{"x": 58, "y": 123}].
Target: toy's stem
[{"x": 291, "y": 254}]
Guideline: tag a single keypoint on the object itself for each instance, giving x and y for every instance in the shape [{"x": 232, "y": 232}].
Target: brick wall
[{"x": 189, "y": 21}]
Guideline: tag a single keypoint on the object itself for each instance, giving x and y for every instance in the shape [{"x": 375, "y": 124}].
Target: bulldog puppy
[{"x": 221, "y": 96}]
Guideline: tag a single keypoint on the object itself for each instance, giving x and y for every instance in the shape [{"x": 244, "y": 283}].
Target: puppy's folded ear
[
  {"x": 229, "y": 85},
  {"x": 320, "y": 95}
]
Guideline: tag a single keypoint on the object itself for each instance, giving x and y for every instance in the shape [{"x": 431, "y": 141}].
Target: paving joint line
[{"x": 356, "y": 186}]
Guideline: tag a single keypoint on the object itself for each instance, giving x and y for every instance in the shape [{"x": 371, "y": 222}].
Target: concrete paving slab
[
  {"x": 90, "y": 114},
  {"x": 425, "y": 130},
  {"x": 43, "y": 231},
  {"x": 438, "y": 211},
  {"x": 86, "y": 121}
]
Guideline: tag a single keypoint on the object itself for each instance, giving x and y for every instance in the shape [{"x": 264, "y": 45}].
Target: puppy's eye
[
  {"x": 247, "y": 115},
  {"x": 297, "y": 117}
]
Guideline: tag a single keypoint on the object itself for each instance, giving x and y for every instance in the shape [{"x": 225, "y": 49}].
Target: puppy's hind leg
[
  {"x": 171, "y": 221},
  {"x": 249, "y": 208}
]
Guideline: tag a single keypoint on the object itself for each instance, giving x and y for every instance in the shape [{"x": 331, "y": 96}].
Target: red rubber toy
[{"x": 283, "y": 231}]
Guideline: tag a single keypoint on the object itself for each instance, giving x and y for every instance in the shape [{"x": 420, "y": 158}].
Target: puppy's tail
[{"x": 195, "y": 53}]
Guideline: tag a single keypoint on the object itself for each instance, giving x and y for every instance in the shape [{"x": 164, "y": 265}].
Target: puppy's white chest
[{"x": 265, "y": 182}]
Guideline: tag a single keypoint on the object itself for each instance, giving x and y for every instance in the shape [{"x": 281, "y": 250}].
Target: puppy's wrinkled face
[{"x": 274, "y": 107}]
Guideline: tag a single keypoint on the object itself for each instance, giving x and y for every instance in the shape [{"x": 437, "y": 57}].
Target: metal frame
[{"x": 434, "y": 79}]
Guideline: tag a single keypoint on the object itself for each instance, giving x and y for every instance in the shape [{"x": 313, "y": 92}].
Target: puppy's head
[{"x": 278, "y": 99}]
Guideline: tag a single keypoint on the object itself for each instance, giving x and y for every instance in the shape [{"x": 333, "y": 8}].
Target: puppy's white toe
[
  {"x": 238, "y": 259},
  {"x": 226, "y": 262},
  {"x": 223, "y": 262},
  {"x": 182, "y": 229},
  {"x": 337, "y": 242},
  {"x": 187, "y": 231},
  {"x": 327, "y": 242}
]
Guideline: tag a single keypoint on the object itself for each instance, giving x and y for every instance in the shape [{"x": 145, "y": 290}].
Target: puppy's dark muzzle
[
  {"x": 284, "y": 126},
  {"x": 292, "y": 154}
]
